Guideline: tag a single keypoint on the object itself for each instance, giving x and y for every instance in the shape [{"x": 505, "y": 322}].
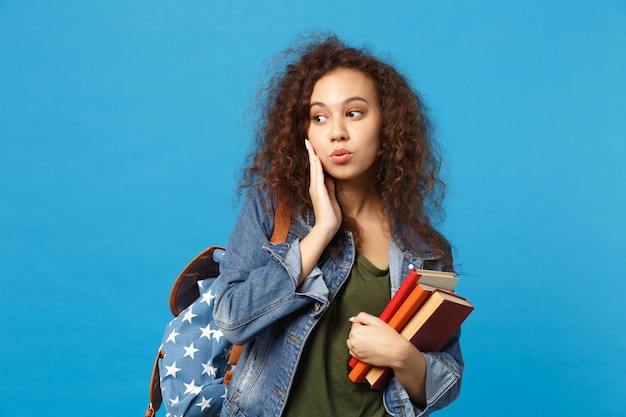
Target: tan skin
[{"x": 343, "y": 143}]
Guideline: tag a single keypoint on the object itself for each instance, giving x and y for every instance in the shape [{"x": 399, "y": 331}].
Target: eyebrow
[{"x": 346, "y": 101}]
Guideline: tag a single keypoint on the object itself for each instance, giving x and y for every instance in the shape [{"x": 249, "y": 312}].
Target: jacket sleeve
[
  {"x": 257, "y": 282},
  {"x": 444, "y": 370}
]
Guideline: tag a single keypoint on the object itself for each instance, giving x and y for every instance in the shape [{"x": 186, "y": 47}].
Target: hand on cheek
[{"x": 322, "y": 191}]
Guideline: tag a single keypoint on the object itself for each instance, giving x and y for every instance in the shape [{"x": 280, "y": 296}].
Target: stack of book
[{"x": 424, "y": 310}]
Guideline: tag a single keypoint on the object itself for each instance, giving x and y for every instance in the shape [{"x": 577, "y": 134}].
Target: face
[{"x": 345, "y": 123}]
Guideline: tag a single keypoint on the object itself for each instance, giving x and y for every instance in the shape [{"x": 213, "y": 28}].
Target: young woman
[{"x": 346, "y": 144}]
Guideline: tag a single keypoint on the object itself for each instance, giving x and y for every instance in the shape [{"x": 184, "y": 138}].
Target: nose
[{"x": 338, "y": 130}]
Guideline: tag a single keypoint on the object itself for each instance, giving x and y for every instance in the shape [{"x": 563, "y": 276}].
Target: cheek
[
  {"x": 310, "y": 131},
  {"x": 376, "y": 150},
  {"x": 313, "y": 135},
  {"x": 375, "y": 142}
]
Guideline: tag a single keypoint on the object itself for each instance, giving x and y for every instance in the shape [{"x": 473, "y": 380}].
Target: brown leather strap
[
  {"x": 185, "y": 289},
  {"x": 227, "y": 376},
  {"x": 282, "y": 221},
  {"x": 150, "y": 411},
  {"x": 155, "y": 387},
  {"x": 235, "y": 353}
]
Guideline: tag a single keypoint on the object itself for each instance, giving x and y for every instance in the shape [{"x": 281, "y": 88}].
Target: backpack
[{"x": 195, "y": 362}]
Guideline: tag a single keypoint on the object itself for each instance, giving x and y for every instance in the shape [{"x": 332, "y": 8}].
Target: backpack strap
[
  {"x": 233, "y": 359},
  {"x": 155, "y": 387},
  {"x": 282, "y": 221}
]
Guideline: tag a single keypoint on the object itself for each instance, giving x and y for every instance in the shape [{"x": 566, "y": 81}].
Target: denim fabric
[{"x": 257, "y": 303}]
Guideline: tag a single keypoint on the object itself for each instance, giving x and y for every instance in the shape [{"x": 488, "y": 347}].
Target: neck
[{"x": 356, "y": 200}]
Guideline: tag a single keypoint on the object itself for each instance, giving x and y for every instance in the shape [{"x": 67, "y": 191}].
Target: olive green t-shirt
[{"x": 321, "y": 386}]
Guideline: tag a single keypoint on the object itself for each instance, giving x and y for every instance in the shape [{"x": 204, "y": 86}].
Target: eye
[
  {"x": 355, "y": 114},
  {"x": 319, "y": 118}
]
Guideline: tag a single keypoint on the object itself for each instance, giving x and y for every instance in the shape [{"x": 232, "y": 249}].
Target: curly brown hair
[{"x": 408, "y": 166}]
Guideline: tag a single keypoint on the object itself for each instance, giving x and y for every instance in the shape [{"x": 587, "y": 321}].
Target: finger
[
  {"x": 350, "y": 347},
  {"x": 313, "y": 159},
  {"x": 315, "y": 166},
  {"x": 311, "y": 155},
  {"x": 308, "y": 146},
  {"x": 364, "y": 319}
]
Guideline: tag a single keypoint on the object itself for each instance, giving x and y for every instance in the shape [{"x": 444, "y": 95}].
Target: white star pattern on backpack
[{"x": 196, "y": 351}]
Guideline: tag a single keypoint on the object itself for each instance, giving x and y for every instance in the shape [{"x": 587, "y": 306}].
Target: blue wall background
[{"x": 122, "y": 127}]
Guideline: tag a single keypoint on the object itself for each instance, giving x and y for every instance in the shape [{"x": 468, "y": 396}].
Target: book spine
[{"x": 408, "y": 309}]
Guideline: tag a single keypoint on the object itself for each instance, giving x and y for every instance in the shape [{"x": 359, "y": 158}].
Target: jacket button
[{"x": 317, "y": 306}]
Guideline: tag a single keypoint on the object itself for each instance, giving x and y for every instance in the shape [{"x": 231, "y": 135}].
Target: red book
[
  {"x": 404, "y": 312},
  {"x": 429, "y": 329}
]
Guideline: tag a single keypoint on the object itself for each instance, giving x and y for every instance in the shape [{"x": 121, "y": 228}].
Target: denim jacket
[{"x": 258, "y": 304}]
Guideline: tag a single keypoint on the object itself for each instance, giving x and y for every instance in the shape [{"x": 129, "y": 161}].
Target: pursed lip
[{"x": 340, "y": 155}]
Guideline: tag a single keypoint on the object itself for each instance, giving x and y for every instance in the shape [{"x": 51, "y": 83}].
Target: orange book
[
  {"x": 429, "y": 329},
  {"x": 405, "y": 311}
]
